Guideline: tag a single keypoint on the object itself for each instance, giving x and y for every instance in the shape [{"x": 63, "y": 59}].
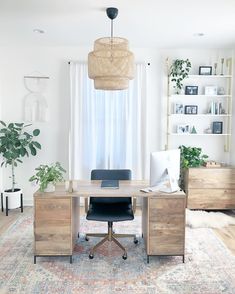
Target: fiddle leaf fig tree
[
  {"x": 179, "y": 71},
  {"x": 16, "y": 143}
]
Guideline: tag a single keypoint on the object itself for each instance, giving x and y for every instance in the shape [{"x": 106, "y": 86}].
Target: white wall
[{"x": 53, "y": 62}]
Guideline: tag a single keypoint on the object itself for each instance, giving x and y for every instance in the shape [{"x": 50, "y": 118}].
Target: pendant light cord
[{"x": 111, "y": 47}]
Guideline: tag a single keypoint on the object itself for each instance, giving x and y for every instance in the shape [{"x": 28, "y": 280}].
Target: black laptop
[{"x": 110, "y": 184}]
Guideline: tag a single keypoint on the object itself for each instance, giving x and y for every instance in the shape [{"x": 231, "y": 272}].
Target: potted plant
[
  {"x": 16, "y": 143},
  {"x": 47, "y": 176},
  {"x": 178, "y": 72},
  {"x": 190, "y": 157}
]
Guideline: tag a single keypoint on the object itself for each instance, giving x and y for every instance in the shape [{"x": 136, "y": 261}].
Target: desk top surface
[{"x": 93, "y": 188}]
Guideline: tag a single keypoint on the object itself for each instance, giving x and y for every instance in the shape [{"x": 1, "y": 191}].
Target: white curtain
[{"x": 108, "y": 128}]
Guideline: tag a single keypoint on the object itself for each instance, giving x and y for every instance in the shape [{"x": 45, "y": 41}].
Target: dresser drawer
[
  {"x": 211, "y": 198},
  {"x": 213, "y": 178}
]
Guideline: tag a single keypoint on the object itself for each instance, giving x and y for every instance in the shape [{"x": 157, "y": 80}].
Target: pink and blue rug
[{"x": 209, "y": 267}]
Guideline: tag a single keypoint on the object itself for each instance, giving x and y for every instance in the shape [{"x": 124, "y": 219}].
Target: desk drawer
[
  {"x": 53, "y": 209},
  {"x": 166, "y": 226},
  {"x": 52, "y": 226}
]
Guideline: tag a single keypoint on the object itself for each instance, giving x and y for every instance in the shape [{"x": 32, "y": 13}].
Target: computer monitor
[{"x": 165, "y": 170}]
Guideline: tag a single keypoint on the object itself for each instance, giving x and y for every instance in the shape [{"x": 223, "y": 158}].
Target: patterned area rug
[{"x": 209, "y": 267}]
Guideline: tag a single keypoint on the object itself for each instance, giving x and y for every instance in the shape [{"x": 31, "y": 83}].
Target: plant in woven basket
[{"x": 179, "y": 71}]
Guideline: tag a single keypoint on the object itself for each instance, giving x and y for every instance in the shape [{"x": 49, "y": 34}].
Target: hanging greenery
[{"x": 179, "y": 71}]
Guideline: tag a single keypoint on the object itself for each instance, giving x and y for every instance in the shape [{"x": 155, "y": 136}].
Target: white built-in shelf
[
  {"x": 201, "y": 96},
  {"x": 203, "y": 134},
  {"x": 200, "y": 115},
  {"x": 209, "y": 76}
]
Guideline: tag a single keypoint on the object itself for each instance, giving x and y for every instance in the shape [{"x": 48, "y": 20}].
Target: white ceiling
[{"x": 146, "y": 23}]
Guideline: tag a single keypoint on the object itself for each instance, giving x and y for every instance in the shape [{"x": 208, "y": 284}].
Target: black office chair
[{"x": 107, "y": 209}]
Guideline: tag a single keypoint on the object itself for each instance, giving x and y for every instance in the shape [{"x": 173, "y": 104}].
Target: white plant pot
[
  {"x": 13, "y": 198},
  {"x": 50, "y": 188}
]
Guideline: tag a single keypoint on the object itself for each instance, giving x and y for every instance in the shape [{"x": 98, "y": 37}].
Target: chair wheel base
[
  {"x": 136, "y": 241},
  {"x": 124, "y": 256},
  {"x": 91, "y": 256}
]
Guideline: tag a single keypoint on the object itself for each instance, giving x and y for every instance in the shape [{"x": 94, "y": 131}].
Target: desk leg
[
  {"x": 183, "y": 259},
  {"x": 6, "y": 205},
  {"x": 147, "y": 258},
  {"x": 2, "y": 202},
  {"x": 34, "y": 259},
  {"x": 71, "y": 259},
  {"x": 21, "y": 202}
]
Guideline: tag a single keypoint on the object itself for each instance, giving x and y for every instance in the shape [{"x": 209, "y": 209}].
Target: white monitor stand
[{"x": 170, "y": 183}]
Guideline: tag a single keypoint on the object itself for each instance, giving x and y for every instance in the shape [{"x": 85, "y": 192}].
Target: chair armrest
[
  {"x": 86, "y": 204},
  {"x": 134, "y": 204}
]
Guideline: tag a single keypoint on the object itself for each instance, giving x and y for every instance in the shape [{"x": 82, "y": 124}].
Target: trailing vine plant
[{"x": 179, "y": 71}]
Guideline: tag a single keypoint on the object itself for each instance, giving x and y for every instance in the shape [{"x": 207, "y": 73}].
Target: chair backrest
[{"x": 110, "y": 174}]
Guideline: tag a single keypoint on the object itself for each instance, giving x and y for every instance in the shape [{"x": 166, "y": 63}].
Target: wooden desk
[{"x": 56, "y": 218}]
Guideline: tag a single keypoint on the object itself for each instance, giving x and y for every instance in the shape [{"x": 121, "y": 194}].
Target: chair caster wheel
[
  {"x": 86, "y": 238},
  {"x": 91, "y": 256},
  {"x": 124, "y": 256},
  {"x": 136, "y": 241}
]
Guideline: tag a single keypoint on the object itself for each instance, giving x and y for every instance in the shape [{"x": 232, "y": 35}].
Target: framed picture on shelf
[
  {"x": 178, "y": 108},
  {"x": 205, "y": 70},
  {"x": 190, "y": 109},
  {"x": 217, "y": 127},
  {"x": 211, "y": 90},
  {"x": 191, "y": 90},
  {"x": 183, "y": 129}
]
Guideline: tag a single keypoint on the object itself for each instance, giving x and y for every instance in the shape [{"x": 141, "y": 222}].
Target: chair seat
[{"x": 110, "y": 213}]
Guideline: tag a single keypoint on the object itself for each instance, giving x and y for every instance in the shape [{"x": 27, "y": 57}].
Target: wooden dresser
[
  {"x": 210, "y": 188},
  {"x": 163, "y": 224}
]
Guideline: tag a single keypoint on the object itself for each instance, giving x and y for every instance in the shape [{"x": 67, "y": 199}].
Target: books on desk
[{"x": 110, "y": 184}]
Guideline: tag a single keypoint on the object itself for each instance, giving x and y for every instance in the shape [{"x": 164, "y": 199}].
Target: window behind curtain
[{"x": 107, "y": 127}]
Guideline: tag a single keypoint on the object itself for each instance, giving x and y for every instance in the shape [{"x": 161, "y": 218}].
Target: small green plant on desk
[
  {"x": 48, "y": 175},
  {"x": 179, "y": 71},
  {"x": 190, "y": 157}
]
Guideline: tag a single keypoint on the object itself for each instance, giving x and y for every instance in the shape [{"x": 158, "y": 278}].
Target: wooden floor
[{"x": 226, "y": 234}]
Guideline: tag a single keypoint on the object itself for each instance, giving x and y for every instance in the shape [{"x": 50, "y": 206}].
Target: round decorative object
[{"x": 111, "y": 64}]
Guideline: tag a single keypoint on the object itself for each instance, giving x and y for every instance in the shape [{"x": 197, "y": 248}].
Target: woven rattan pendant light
[{"x": 111, "y": 64}]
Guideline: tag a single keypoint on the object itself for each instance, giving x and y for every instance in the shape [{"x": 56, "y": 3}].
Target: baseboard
[{"x": 28, "y": 202}]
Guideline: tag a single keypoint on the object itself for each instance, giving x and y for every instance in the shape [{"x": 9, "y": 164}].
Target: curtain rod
[
  {"x": 148, "y": 63},
  {"x": 36, "y": 77}
]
